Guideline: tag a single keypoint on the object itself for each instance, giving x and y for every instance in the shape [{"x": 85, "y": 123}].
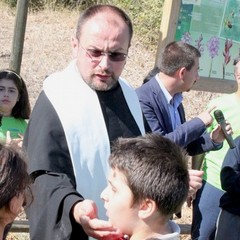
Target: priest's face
[{"x": 101, "y": 50}]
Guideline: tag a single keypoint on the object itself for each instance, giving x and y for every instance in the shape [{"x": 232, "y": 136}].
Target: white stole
[{"x": 80, "y": 113}]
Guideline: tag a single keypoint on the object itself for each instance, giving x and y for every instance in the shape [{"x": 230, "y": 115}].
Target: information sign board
[{"x": 213, "y": 26}]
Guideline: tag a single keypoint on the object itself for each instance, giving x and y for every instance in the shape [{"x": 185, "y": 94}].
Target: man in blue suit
[{"x": 161, "y": 101}]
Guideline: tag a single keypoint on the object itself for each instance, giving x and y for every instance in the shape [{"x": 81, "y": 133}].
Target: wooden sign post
[
  {"x": 168, "y": 26},
  {"x": 18, "y": 37}
]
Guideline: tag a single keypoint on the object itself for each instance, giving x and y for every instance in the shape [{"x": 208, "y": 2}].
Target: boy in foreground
[{"x": 148, "y": 183}]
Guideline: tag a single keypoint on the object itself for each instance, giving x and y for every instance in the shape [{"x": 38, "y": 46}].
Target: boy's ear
[{"x": 147, "y": 208}]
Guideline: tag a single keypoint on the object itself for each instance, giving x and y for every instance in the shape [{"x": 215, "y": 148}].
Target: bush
[{"x": 145, "y": 14}]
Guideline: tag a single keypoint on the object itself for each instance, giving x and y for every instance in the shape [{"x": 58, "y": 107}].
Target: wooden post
[
  {"x": 168, "y": 26},
  {"x": 18, "y": 37}
]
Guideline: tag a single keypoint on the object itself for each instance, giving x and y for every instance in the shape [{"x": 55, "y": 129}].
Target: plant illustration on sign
[
  {"x": 226, "y": 54},
  {"x": 199, "y": 45},
  {"x": 213, "y": 45},
  {"x": 186, "y": 38}
]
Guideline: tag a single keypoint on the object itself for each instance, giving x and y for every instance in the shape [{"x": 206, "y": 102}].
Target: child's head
[
  {"x": 148, "y": 180},
  {"x": 14, "y": 180},
  {"x": 14, "y": 95}
]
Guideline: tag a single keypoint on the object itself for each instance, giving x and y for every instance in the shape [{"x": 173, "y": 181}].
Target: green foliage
[
  {"x": 145, "y": 14},
  {"x": 11, "y": 3}
]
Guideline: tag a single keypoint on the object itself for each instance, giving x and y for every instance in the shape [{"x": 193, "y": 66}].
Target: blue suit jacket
[{"x": 190, "y": 135}]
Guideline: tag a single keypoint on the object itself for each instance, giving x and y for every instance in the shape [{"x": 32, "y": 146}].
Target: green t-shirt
[
  {"x": 13, "y": 125},
  {"x": 229, "y": 104}
]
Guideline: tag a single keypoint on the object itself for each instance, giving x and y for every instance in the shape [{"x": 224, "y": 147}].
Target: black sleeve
[
  {"x": 230, "y": 173},
  {"x": 202, "y": 145},
  {"x": 230, "y": 179},
  {"x": 146, "y": 125},
  {"x": 54, "y": 188}
]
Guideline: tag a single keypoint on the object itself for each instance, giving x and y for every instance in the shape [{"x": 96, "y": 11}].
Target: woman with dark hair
[
  {"x": 14, "y": 180},
  {"x": 14, "y": 107}
]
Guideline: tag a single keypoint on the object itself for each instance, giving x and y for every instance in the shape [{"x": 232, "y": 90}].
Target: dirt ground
[{"x": 47, "y": 49}]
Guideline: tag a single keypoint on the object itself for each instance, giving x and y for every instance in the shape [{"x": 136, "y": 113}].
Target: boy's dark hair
[{"x": 155, "y": 168}]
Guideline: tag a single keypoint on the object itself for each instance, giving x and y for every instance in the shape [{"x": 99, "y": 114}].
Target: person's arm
[
  {"x": 183, "y": 135},
  {"x": 211, "y": 140},
  {"x": 189, "y": 135},
  {"x": 195, "y": 180},
  {"x": 50, "y": 212},
  {"x": 230, "y": 179},
  {"x": 202, "y": 145},
  {"x": 58, "y": 211},
  {"x": 54, "y": 185}
]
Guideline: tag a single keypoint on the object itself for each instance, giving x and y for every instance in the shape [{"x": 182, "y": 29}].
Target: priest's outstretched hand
[{"x": 85, "y": 213}]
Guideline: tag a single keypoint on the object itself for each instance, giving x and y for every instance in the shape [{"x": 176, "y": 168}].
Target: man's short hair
[{"x": 177, "y": 55}]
